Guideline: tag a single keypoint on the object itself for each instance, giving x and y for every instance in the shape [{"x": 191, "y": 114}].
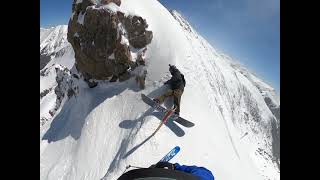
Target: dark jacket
[{"x": 176, "y": 81}]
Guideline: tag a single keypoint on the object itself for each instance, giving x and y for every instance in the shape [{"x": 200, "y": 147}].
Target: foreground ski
[
  {"x": 182, "y": 121},
  {"x": 171, "y": 154}
]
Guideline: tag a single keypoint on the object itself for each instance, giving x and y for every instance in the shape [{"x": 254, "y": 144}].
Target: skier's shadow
[
  {"x": 170, "y": 124},
  {"x": 72, "y": 117},
  {"x": 129, "y": 124}
]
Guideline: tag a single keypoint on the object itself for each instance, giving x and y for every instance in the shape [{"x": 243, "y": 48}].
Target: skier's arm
[
  {"x": 167, "y": 82},
  {"x": 173, "y": 79},
  {"x": 201, "y": 172}
]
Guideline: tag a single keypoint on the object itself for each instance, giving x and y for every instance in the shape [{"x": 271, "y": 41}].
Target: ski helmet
[{"x": 172, "y": 68}]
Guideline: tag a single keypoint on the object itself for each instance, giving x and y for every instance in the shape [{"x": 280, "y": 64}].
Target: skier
[{"x": 176, "y": 84}]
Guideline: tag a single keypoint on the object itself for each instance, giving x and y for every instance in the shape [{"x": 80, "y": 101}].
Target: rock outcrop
[
  {"x": 67, "y": 86},
  {"x": 103, "y": 38},
  {"x": 62, "y": 85},
  {"x": 117, "y": 2}
]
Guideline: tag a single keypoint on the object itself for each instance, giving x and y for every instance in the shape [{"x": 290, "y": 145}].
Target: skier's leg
[
  {"x": 177, "y": 99},
  {"x": 161, "y": 98}
]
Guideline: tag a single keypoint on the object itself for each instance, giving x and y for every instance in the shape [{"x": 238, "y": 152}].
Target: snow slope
[
  {"x": 102, "y": 130},
  {"x": 55, "y": 52},
  {"x": 54, "y": 44},
  {"x": 53, "y": 39}
]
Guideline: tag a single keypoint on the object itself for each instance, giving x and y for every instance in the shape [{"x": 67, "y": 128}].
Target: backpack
[{"x": 184, "y": 81}]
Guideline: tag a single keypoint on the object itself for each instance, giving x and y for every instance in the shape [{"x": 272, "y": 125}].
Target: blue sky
[
  {"x": 55, "y": 12},
  {"x": 247, "y": 30}
]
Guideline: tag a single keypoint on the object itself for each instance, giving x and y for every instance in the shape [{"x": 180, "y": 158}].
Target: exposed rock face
[
  {"x": 274, "y": 108},
  {"x": 44, "y": 59},
  {"x": 45, "y": 92},
  {"x": 276, "y": 141},
  {"x": 43, "y": 121},
  {"x": 136, "y": 27},
  {"x": 101, "y": 36},
  {"x": 66, "y": 86},
  {"x": 62, "y": 86},
  {"x": 117, "y": 2}
]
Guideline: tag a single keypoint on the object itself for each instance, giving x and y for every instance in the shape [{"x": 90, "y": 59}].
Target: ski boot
[{"x": 156, "y": 100}]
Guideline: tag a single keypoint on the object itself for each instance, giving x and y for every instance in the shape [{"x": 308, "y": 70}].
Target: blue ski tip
[{"x": 170, "y": 155}]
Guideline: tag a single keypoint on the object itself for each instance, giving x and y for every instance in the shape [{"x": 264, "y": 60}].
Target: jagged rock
[
  {"x": 43, "y": 120},
  {"x": 101, "y": 39},
  {"x": 122, "y": 54},
  {"x": 66, "y": 86},
  {"x": 117, "y": 2},
  {"x": 44, "y": 92},
  {"x": 136, "y": 27},
  {"x": 44, "y": 59},
  {"x": 94, "y": 42},
  {"x": 44, "y": 72},
  {"x": 273, "y": 107}
]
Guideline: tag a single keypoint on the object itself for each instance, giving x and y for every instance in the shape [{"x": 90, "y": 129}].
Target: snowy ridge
[
  {"x": 53, "y": 39},
  {"x": 264, "y": 87},
  {"x": 54, "y": 47},
  {"x": 56, "y": 83},
  {"x": 237, "y": 66},
  {"x": 102, "y": 130},
  {"x": 183, "y": 23},
  {"x": 266, "y": 90},
  {"x": 248, "y": 87}
]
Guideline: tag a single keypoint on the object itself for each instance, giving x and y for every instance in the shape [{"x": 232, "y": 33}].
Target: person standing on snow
[{"x": 176, "y": 84}]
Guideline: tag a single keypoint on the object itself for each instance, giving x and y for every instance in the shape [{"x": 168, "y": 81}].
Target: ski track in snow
[{"x": 211, "y": 79}]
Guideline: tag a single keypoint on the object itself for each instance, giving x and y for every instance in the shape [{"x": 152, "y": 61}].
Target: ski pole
[{"x": 129, "y": 166}]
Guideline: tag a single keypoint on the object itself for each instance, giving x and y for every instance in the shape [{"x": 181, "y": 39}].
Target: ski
[
  {"x": 164, "y": 120},
  {"x": 159, "y": 108},
  {"x": 171, "y": 154}
]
